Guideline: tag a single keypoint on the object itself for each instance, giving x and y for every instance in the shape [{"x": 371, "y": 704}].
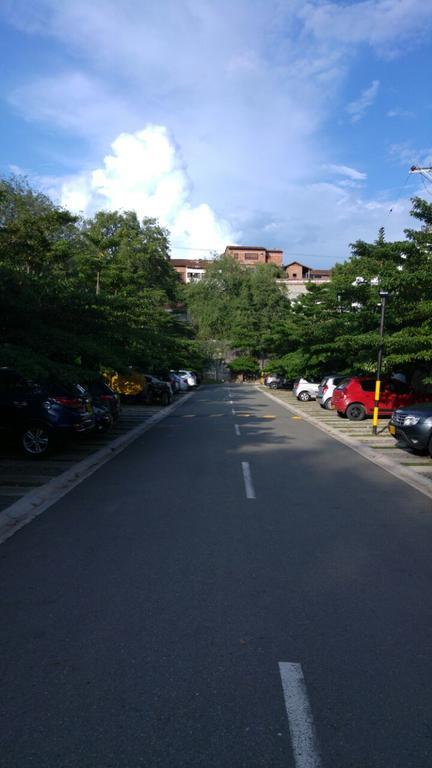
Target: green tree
[
  {"x": 36, "y": 236},
  {"x": 244, "y": 309}
]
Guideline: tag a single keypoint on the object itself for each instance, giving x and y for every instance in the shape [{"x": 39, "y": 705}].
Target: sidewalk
[{"x": 381, "y": 449}]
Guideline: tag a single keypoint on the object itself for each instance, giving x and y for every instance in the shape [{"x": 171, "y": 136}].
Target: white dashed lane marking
[
  {"x": 247, "y": 477},
  {"x": 304, "y": 740}
]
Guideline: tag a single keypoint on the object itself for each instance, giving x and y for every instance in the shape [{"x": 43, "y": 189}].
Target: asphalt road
[{"x": 144, "y": 616}]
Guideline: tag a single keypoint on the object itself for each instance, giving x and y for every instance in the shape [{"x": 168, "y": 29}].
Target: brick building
[
  {"x": 190, "y": 270},
  {"x": 250, "y": 255},
  {"x": 293, "y": 283},
  {"x": 297, "y": 277}
]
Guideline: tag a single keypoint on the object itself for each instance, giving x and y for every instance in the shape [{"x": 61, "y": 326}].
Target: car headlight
[
  {"x": 428, "y": 422},
  {"x": 409, "y": 421}
]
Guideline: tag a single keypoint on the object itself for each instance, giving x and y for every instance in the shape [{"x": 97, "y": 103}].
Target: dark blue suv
[{"x": 40, "y": 416}]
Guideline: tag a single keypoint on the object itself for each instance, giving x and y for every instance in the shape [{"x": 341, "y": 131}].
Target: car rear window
[
  {"x": 368, "y": 385},
  {"x": 343, "y": 383}
]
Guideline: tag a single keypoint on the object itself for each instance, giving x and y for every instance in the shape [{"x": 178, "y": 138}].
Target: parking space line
[
  {"x": 237, "y": 430},
  {"x": 247, "y": 477},
  {"x": 304, "y": 740}
]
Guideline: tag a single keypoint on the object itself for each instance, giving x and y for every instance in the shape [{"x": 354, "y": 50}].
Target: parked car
[
  {"x": 101, "y": 394},
  {"x": 354, "y": 397},
  {"x": 305, "y": 390},
  {"x": 189, "y": 377},
  {"x": 172, "y": 379},
  {"x": 157, "y": 390},
  {"x": 182, "y": 382},
  {"x": 277, "y": 381},
  {"x": 412, "y": 425},
  {"x": 40, "y": 416},
  {"x": 103, "y": 419},
  {"x": 326, "y": 389},
  {"x": 131, "y": 386},
  {"x": 102, "y": 413}
]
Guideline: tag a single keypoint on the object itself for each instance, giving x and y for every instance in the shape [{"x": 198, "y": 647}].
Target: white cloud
[
  {"x": 386, "y": 25},
  {"x": 145, "y": 173},
  {"x": 407, "y": 155},
  {"x": 75, "y": 102},
  {"x": 340, "y": 216},
  {"x": 345, "y": 170},
  {"x": 247, "y": 89},
  {"x": 358, "y": 108},
  {"x": 397, "y": 112}
]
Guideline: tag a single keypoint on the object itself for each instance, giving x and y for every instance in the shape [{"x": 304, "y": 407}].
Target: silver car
[
  {"x": 306, "y": 390},
  {"x": 189, "y": 378}
]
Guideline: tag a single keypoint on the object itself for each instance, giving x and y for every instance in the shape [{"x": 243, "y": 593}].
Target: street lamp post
[{"x": 383, "y": 295}]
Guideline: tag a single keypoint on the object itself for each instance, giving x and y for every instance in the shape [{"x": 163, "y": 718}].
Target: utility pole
[
  {"x": 416, "y": 169},
  {"x": 383, "y": 295}
]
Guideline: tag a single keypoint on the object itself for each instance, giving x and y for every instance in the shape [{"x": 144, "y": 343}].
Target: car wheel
[
  {"x": 36, "y": 440},
  {"x": 165, "y": 399},
  {"x": 304, "y": 396},
  {"x": 273, "y": 385},
  {"x": 328, "y": 404},
  {"x": 356, "y": 412}
]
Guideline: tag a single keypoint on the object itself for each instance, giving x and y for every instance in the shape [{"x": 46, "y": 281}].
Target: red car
[{"x": 354, "y": 397}]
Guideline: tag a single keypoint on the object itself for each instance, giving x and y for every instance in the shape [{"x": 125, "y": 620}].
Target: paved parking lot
[
  {"x": 361, "y": 431},
  {"x": 20, "y": 475}
]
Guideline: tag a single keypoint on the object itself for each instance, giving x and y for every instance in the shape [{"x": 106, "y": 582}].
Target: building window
[
  {"x": 294, "y": 274},
  {"x": 251, "y": 256}
]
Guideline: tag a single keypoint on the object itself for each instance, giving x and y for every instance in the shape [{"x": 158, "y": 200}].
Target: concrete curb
[
  {"x": 34, "y": 503},
  {"x": 422, "y": 484}
]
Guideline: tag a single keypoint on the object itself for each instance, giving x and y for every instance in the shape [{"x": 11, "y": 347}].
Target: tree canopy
[
  {"x": 80, "y": 296},
  {"x": 333, "y": 326}
]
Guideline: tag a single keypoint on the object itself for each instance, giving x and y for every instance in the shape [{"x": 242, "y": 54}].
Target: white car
[
  {"x": 306, "y": 390},
  {"x": 326, "y": 389},
  {"x": 188, "y": 377},
  {"x": 183, "y": 385}
]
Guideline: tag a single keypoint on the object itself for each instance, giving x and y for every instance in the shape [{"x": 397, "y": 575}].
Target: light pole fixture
[{"x": 383, "y": 295}]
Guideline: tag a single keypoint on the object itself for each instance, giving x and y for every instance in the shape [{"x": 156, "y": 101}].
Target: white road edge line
[
  {"x": 304, "y": 740},
  {"x": 247, "y": 477},
  {"x": 404, "y": 474},
  {"x": 237, "y": 430}
]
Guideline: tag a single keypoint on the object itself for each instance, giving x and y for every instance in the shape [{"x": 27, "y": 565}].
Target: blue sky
[{"x": 283, "y": 123}]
